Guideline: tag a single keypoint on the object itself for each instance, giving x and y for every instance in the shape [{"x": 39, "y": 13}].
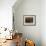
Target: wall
[
  {"x": 43, "y": 22},
  {"x": 6, "y": 13},
  {"x": 28, "y": 7}
]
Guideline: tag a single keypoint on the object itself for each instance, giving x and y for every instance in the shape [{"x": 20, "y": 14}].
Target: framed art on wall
[{"x": 29, "y": 20}]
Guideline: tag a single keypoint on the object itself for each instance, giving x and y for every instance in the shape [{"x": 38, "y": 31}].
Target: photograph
[{"x": 29, "y": 20}]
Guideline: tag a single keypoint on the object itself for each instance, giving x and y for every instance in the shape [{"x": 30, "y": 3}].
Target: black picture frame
[{"x": 29, "y": 20}]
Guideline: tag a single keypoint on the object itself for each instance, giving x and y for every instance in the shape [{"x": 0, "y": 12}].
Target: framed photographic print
[{"x": 29, "y": 20}]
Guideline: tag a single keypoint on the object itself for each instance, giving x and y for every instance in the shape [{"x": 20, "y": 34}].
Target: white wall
[
  {"x": 28, "y": 7},
  {"x": 43, "y": 22},
  {"x": 40, "y": 28},
  {"x": 6, "y": 13}
]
